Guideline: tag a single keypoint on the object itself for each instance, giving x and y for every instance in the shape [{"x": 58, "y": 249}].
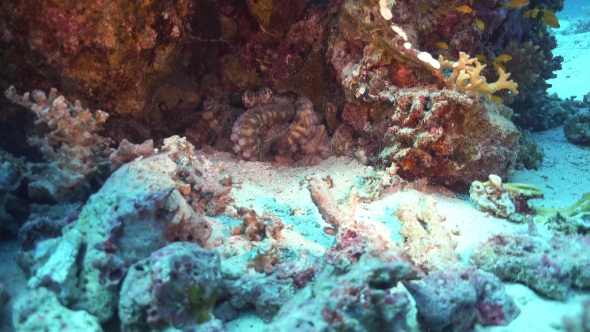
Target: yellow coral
[{"x": 466, "y": 77}]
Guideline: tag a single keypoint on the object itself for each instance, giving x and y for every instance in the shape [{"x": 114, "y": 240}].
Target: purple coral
[
  {"x": 175, "y": 286},
  {"x": 551, "y": 267},
  {"x": 363, "y": 299},
  {"x": 458, "y": 298}
]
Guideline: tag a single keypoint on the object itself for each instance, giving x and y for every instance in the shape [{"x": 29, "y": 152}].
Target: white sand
[{"x": 572, "y": 80}]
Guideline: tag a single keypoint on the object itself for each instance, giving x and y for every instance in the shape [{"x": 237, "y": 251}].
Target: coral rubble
[{"x": 549, "y": 266}]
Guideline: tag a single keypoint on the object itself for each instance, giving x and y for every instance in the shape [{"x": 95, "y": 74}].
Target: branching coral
[
  {"x": 246, "y": 130},
  {"x": 66, "y": 135},
  {"x": 466, "y": 77},
  {"x": 527, "y": 64}
]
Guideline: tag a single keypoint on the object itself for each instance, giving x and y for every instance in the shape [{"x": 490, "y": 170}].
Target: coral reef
[
  {"x": 446, "y": 136},
  {"x": 168, "y": 237},
  {"x": 12, "y": 211},
  {"x": 560, "y": 224},
  {"x": 176, "y": 286},
  {"x": 456, "y": 298},
  {"x": 577, "y": 214},
  {"x": 205, "y": 186},
  {"x": 267, "y": 294},
  {"x": 577, "y": 129},
  {"x": 549, "y": 266},
  {"x": 540, "y": 112}
]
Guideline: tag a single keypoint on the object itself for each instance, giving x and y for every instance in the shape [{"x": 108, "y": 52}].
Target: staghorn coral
[
  {"x": 246, "y": 130},
  {"x": 466, "y": 77},
  {"x": 66, "y": 135}
]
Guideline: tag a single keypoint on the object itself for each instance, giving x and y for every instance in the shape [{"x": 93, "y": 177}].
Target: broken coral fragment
[{"x": 508, "y": 200}]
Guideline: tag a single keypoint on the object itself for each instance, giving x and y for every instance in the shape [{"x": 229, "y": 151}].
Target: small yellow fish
[
  {"x": 541, "y": 34},
  {"x": 481, "y": 58},
  {"x": 480, "y": 24},
  {"x": 499, "y": 65},
  {"x": 497, "y": 99},
  {"x": 531, "y": 13},
  {"x": 515, "y": 4},
  {"x": 502, "y": 58},
  {"x": 464, "y": 9},
  {"x": 552, "y": 22},
  {"x": 442, "y": 45},
  {"x": 549, "y": 14},
  {"x": 438, "y": 15},
  {"x": 550, "y": 19}
]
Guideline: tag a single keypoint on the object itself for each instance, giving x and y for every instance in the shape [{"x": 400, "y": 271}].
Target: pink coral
[{"x": 71, "y": 146}]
